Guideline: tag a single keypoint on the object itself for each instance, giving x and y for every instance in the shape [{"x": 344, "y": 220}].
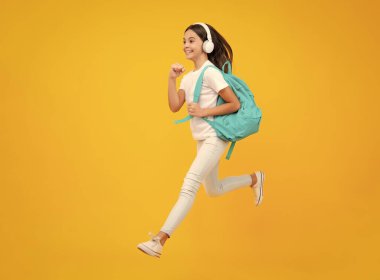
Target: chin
[{"x": 190, "y": 57}]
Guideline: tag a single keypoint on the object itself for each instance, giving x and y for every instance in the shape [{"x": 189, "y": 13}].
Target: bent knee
[
  {"x": 212, "y": 193},
  {"x": 213, "y": 189}
]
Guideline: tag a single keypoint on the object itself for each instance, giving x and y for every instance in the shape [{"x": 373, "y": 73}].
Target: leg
[
  {"x": 215, "y": 187},
  {"x": 208, "y": 156}
]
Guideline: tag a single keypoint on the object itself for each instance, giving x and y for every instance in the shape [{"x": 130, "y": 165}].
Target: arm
[
  {"x": 176, "y": 99},
  {"x": 231, "y": 106}
]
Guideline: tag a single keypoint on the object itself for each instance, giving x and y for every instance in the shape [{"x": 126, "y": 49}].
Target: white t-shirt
[{"x": 213, "y": 82}]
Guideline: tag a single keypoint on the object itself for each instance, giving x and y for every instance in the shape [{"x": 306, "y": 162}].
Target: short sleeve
[{"x": 215, "y": 80}]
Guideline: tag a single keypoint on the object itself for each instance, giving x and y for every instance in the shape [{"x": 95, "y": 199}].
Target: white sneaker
[
  {"x": 152, "y": 247},
  {"x": 258, "y": 187}
]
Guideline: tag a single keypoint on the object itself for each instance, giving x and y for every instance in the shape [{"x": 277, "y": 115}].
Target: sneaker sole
[
  {"x": 148, "y": 251},
  {"x": 261, "y": 186}
]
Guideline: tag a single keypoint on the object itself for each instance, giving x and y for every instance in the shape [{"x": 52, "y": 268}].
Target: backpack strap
[
  {"x": 197, "y": 92},
  {"x": 188, "y": 117},
  {"x": 230, "y": 150},
  {"x": 229, "y": 67},
  {"x": 198, "y": 85}
]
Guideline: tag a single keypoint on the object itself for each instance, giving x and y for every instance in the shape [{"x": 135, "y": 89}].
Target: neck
[{"x": 198, "y": 62}]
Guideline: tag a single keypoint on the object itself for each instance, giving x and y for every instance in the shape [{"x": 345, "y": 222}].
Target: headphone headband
[
  {"x": 208, "y": 45},
  {"x": 207, "y": 30}
]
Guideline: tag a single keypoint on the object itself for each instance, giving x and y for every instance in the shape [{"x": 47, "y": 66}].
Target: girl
[{"x": 204, "y": 46}]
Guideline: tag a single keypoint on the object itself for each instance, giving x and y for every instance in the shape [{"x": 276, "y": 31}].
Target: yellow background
[{"x": 91, "y": 160}]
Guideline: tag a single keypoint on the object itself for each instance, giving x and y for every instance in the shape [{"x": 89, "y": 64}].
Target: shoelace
[{"x": 153, "y": 237}]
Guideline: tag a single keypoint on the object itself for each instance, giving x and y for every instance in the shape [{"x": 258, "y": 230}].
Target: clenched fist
[
  {"x": 195, "y": 110},
  {"x": 176, "y": 70}
]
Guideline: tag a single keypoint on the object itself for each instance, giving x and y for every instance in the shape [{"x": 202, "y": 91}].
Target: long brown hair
[{"x": 222, "y": 50}]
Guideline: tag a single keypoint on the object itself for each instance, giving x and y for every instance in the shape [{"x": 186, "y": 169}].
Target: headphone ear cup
[{"x": 208, "y": 46}]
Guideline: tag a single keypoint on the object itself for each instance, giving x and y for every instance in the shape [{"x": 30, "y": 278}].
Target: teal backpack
[{"x": 236, "y": 126}]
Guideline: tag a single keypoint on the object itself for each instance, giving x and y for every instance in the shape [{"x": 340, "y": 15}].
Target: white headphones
[{"x": 208, "y": 45}]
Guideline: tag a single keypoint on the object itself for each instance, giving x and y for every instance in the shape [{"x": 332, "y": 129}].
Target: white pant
[{"x": 204, "y": 169}]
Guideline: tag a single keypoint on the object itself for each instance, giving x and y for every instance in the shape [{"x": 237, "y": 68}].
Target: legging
[{"x": 204, "y": 169}]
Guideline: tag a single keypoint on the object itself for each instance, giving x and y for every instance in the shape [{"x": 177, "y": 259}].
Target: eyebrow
[{"x": 189, "y": 37}]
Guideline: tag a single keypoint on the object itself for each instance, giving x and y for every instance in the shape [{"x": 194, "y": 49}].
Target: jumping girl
[{"x": 203, "y": 45}]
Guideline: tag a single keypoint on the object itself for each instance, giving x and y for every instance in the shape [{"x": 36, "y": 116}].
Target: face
[{"x": 192, "y": 44}]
